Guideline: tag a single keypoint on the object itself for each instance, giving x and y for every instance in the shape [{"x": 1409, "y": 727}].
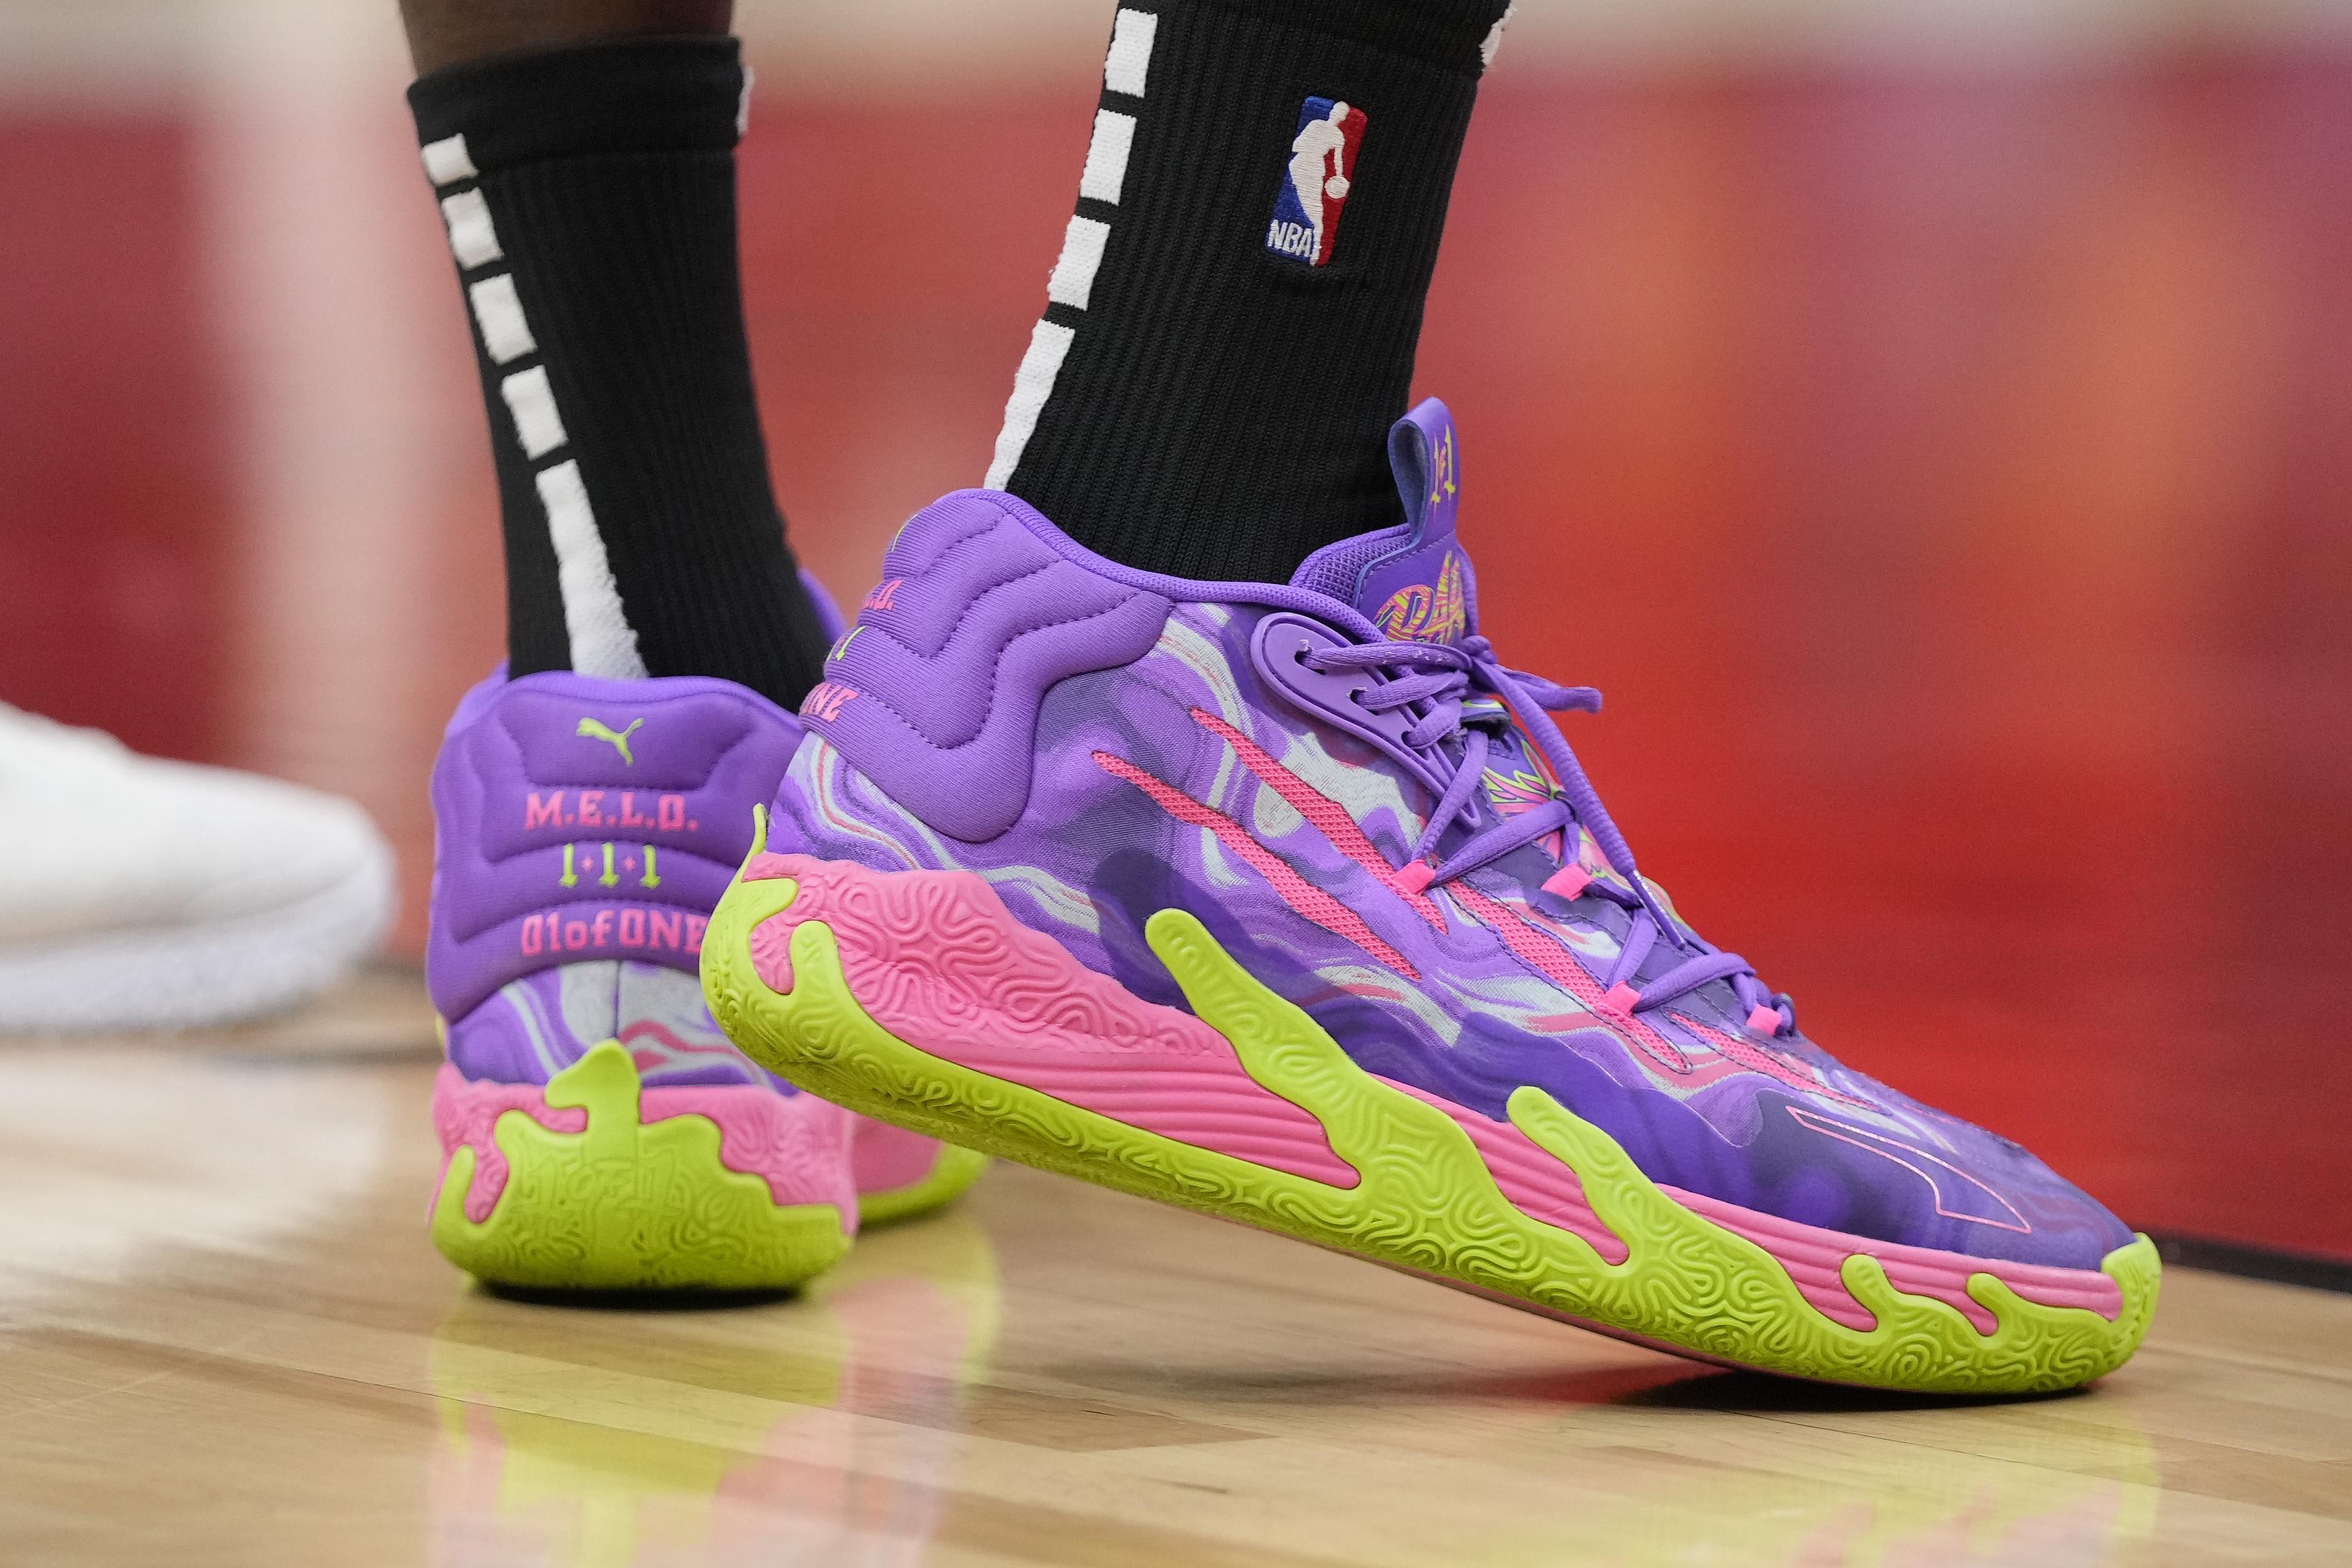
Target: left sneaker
[
  {"x": 599, "y": 1132},
  {"x": 1290, "y": 903}
]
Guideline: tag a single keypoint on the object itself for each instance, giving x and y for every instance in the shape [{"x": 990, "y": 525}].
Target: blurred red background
[{"x": 1942, "y": 467}]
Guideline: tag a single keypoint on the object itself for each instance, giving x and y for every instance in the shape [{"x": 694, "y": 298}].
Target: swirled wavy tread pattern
[
  {"x": 1423, "y": 1200},
  {"x": 1815, "y": 1259},
  {"x": 603, "y": 1200},
  {"x": 796, "y": 1143},
  {"x": 1537, "y": 1186}
]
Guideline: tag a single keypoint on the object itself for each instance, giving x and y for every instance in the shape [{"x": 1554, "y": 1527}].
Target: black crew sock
[
  {"x": 1209, "y": 391},
  {"x": 589, "y": 197}
]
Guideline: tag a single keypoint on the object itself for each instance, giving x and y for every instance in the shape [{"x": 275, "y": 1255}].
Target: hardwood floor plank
[{"x": 209, "y": 1356}]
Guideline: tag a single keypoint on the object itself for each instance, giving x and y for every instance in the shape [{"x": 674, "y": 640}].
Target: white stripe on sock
[
  {"x": 1048, "y": 343},
  {"x": 1130, "y": 51},
  {"x": 497, "y": 310},
  {"x": 531, "y": 400},
  {"x": 602, "y": 643},
  {"x": 1125, "y": 69},
  {"x": 473, "y": 239},
  {"x": 1495, "y": 36},
  {"x": 1073, "y": 271},
  {"x": 1106, "y": 154},
  {"x": 447, "y": 160}
]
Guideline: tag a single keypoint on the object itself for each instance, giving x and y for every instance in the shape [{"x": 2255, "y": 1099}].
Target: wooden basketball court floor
[{"x": 225, "y": 1338}]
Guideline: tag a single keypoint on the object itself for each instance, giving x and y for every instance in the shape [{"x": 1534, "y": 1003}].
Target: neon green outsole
[
  {"x": 957, "y": 1170},
  {"x": 627, "y": 1206},
  {"x": 1425, "y": 1201}
]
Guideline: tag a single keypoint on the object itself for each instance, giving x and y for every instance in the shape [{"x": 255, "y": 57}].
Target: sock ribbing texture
[
  {"x": 1199, "y": 399},
  {"x": 589, "y": 193}
]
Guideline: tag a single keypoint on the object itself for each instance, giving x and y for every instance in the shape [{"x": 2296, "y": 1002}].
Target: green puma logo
[{"x": 595, "y": 729}]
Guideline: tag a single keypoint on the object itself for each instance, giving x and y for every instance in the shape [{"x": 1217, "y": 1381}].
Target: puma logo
[{"x": 595, "y": 729}]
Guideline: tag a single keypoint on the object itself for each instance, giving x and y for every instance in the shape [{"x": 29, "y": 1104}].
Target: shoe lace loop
[{"x": 1464, "y": 699}]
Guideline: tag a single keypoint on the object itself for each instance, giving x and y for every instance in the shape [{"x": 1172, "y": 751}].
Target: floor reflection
[
  {"x": 748, "y": 1442},
  {"x": 1939, "y": 1509},
  {"x": 108, "y": 1155},
  {"x": 1587, "y": 1457},
  {"x": 1868, "y": 1479}
]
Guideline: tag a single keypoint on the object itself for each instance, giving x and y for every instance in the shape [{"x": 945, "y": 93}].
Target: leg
[
  {"x": 588, "y": 186},
  {"x": 587, "y": 809},
  {"x": 1287, "y": 900},
  {"x": 452, "y": 32}
]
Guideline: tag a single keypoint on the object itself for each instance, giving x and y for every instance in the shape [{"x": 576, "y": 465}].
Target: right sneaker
[
  {"x": 1290, "y": 903},
  {"x": 599, "y": 1132}
]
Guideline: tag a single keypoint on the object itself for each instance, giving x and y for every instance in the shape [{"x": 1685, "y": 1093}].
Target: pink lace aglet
[
  {"x": 1622, "y": 998},
  {"x": 1567, "y": 881},
  {"x": 1411, "y": 876},
  {"x": 1764, "y": 1021}
]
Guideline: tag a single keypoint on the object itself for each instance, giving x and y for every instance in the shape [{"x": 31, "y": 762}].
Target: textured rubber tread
[
  {"x": 1426, "y": 1202},
  {"x": 627, "y": 1206},
  {"x": 949, "y": 1180}
]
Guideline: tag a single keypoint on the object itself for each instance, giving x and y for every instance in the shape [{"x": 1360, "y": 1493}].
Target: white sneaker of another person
[{"x": 138, "y": 893}]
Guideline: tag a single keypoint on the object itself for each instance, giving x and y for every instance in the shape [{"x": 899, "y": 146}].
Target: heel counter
[
  {"x": 585, "y": 821},
  {"x": 934, "y": 693}
]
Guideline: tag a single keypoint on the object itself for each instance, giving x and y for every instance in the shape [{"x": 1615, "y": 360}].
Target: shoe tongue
[{"x": 1413, "y": 582}]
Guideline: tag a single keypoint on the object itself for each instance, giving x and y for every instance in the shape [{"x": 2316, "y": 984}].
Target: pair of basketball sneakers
[{"x": 1287, "y": 902}]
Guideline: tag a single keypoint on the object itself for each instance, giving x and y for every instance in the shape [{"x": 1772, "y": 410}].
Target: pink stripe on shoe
[
  {"x": 937, "y": 959},
  {"x": 1329, "y": 817},
  {"x": 1296, "y": 891},
  {"x": 1556, "y": 963},
  {"x": 1613, "y": 1009}
]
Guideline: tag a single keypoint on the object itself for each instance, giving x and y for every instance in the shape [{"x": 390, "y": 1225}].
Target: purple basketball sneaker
[
  {"x": 600, "y": 1132},
  {"x": 1289, "y": 903}
]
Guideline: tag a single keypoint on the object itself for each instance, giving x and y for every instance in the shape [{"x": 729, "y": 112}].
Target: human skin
[{"x": 452, "y": 32}]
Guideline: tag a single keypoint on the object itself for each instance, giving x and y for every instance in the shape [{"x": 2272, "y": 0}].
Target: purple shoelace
[{"x": 1440, "y": 683}]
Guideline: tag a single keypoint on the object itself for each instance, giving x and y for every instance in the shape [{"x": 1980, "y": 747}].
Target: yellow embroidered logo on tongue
[{"x": 1418, "y": 613}]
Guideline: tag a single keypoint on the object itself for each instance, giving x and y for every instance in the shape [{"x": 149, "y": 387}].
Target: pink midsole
[
  {"x": 883, "y": 1158},
  {"x": 935, "y": 958},
  {"x": 797, "y": 1142}
]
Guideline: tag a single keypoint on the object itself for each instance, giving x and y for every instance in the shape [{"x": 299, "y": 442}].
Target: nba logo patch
[{"x": 1314, "y": 188}]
